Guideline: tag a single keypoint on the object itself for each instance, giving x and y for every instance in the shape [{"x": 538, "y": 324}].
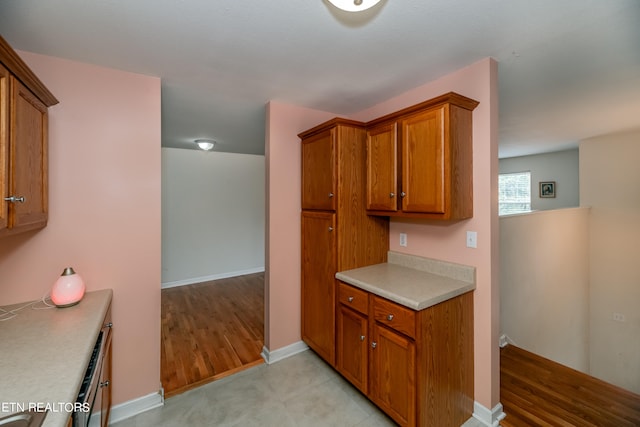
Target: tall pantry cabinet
[{"x": 337, "y": 234}]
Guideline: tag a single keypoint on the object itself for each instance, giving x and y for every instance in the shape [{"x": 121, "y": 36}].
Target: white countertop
[
  {"x": 412, "y": 281},
  {"x": 44, "y": 354}
]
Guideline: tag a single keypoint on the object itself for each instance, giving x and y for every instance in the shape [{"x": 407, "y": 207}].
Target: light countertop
[
  {"x": 44, "y": 354},
  {"x": 412, "y": 281}
]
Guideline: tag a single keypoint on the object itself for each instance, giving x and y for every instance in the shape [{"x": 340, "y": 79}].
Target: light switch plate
[{"x": 472, "y": 239}]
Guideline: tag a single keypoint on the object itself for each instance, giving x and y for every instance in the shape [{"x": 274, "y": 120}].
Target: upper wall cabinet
[
  {"x": 23, "y": 145},
  {"x": 419, "y": 161}
]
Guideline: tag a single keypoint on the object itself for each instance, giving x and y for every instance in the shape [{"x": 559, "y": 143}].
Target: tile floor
[{"x": 298, "y": 391}]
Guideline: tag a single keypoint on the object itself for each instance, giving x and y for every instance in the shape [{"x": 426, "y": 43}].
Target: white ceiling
[{"x": 569, "y": 69}]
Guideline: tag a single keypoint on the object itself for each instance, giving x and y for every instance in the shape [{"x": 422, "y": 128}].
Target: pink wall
[
  {"x": 104, "y": 209},
  {"x": 447, "y": 242},
  {"x": 283, "y": 229}
]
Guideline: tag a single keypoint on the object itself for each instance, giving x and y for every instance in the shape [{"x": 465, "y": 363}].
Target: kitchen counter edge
[{"x": 411, "y": 281}]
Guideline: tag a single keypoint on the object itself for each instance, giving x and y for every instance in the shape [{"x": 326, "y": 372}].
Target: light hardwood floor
[
  {"x": 211, "y": 330},
  {"x": 539, "y": 392}
]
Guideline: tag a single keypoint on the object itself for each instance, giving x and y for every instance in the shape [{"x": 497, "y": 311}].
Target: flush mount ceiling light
[
  {"x": 354, "y": 5},
  {"x": 205, "y": 144}
]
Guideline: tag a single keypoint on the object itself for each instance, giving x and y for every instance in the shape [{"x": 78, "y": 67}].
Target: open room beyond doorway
[{"x": 211, "y": 330}]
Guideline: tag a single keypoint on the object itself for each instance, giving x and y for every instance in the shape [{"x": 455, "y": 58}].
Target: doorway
[{"x": 211, "y": 330}]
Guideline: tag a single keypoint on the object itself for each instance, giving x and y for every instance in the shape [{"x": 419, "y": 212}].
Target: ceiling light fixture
[
  {"x": 205, "y": 144},
  {"x": 354, "y": 5}
]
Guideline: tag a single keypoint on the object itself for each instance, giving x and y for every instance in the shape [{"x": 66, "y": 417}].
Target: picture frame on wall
[{"x": 547, "y": 189}]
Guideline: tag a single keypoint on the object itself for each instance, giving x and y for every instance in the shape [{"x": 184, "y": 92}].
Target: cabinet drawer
[
  {"x": 352, "y": 297},
  {"x": 395, "y": 316}
]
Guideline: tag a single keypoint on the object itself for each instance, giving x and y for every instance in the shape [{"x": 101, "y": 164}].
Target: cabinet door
[
  {"x": 318, "y": 282},
  {"x": 392, "y": 374},
  {"x": 424, "y": 160},
  {"x": 352, "y": 347},
  {"x": 318, "y": 171},
  {"x": 4, "y": 146},
  {"x": 105, "y": 384},
  {"x": 382, "y": 172},
  {"x": 28, "y": 159}
]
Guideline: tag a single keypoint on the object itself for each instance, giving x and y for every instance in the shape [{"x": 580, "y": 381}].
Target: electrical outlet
[
  {"x": 618, "y": 317},
  {"x": 403, "y": 240}
]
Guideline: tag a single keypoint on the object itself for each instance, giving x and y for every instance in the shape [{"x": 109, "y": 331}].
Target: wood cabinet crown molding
[
  {"x": 22, "y": 72},
  {"x": 451, "y": 98}
]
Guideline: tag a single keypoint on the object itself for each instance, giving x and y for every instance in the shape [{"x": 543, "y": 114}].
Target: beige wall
[
  {"x": 104, "y": 209},
  {"x": 212, "y": 215},
  {"x": 544, "y": 284},
  {"x": 610, "y": 185}
]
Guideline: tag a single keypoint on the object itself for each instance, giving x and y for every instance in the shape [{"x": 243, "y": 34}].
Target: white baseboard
[
  {"x": 194, "y": 280},
  {"x": 284, "y": 352},
  {"x": 128, "y": 409},
  {"x": 488, "y": 417}
]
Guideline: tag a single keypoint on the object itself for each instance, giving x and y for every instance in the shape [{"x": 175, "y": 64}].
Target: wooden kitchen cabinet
[
  {"x": 417, "y": 366},
  {"x": 352, "y": 347},
  {"x": 337, "y": 233},
  {"x": 23, "y": 145},
  {"x": 353, "y": 335},
  {"x": 318, "y": 289},
  {"x": 392, "y": 374},
  {"x": 419, "y": 161},
  {"x": 318, "y": 174}
]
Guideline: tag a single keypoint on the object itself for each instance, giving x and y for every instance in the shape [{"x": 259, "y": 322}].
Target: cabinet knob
[
  {"x": 390, "y": 317},
  {"x": 392, "y": 195},
  {"x": 361, "y": 337},
  {"x": 330, "y": 195},
  {"x": 330, "y": 228},
  {"x": 350, "y": 299},
  {"x": 104, "y": 384},
  {"x": 402, "y": 194},
  {"x": 374, "y": 344},
  {"x": 14, "y": 199}
]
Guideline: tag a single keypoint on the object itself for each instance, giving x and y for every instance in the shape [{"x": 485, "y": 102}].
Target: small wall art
[{"x": 547, "y": 189}]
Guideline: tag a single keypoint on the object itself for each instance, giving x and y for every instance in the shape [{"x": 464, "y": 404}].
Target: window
[{"x": 514, "y": 193}]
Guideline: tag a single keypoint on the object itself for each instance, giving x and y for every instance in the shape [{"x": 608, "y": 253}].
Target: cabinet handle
[
  {"x": 350, "y": 299},
  {"x": 14, "y": 199},
  {"x": 330, "y": 228},
  {"x": 374, "y": 344},
  {"x": 392, "y": 195},
  {"x": 361, "y": 337},
  {"x": 104, "y": 384},
  {"x": 390, "y": 317},
  {"x": 402, "y": 194},
  {"x": 330, "y": 195},
  {"x": 108, "y": 325}
]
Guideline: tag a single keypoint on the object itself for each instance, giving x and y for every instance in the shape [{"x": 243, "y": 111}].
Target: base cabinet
[
  {"x": 353, "y": 347},
  {"x": 417, "y": 366},
  {"x": 393, "y": 386}
]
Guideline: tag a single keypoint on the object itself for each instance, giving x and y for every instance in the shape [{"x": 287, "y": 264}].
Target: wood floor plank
[
  {"x": 210, "y": 330},
  {"x": 539, "y": 392}
]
